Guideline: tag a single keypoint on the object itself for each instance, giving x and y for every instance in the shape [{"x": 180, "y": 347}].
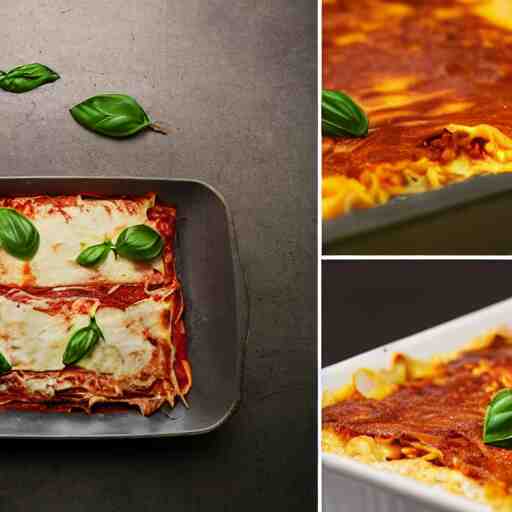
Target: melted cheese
[
  {"x": 65, "y": 232},
  {"x": 35, "y": 340}
]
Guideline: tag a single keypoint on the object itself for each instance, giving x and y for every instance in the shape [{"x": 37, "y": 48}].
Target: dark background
[
  {"x": 235, "y": 83},
  {"x": 369, "y": 303}
]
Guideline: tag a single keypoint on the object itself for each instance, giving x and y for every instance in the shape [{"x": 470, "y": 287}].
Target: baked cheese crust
[
  {"x": 424, "y": 420},
  {"x": 434, "y": 79}
]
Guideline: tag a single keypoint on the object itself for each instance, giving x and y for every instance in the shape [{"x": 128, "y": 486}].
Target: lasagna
[
  {"x": 434, "y": 80},
  {"x": 425, "y": 419},
  {"x": 139, "y": 355}
]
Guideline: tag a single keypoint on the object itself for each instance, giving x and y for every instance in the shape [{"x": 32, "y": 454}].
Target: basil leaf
[
  {"x": 498, "y": 419},
  {"x": 27, "y": 77},
  {"x": 18, "y": 236},
  {"x": 94, "y": 255},
  {"x": 113, "y": 115},
  {"x": 341, "y": 116},
  {"x": 5, "y": 366},
  {"x": 81, "y": 343},
  {"x": 139, "y": 243}
]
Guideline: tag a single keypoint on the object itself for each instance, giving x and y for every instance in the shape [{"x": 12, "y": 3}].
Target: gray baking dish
[
  {"x": 216, "y": 313},
  {"x": 464, "y": 218}
]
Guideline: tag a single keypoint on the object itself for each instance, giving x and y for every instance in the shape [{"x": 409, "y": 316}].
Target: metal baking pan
[
  {"x": 463, "y": 218},
  {"x": 352, "y": 486},
  {"x": 216, "y": 313}
]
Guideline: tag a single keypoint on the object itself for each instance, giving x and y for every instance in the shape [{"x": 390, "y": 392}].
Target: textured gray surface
[{"x": 236, "y": 84}]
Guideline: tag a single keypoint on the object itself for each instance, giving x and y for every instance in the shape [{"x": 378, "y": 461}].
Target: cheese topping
[
  {"x": 36, "y": 340},
  {"x": 67, "y": 230}
]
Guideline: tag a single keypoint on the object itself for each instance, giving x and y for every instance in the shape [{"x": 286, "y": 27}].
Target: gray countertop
[{"x": 235, "y": 82}]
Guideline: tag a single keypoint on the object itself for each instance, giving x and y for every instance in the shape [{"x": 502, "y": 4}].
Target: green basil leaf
[
  {"x": 27, "y": 77},
  {"x": 113, "y": 115},
  {"x": 94, "y": 255},
  {"x": 18, "y": 236},
  {"x": 498, "y": 419},
  {"x": 81, "y": 343},
  {"x": 139, "y": 243},
  {"x": 5, "y": 366},
  {"x": 341, "y": 116}
]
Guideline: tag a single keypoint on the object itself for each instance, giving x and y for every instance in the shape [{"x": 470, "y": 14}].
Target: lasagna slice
[
  {"x": 136, "y": 354},
  {"x": 434, "y": 80},
  {"x": 424, "y": 419},
  {"x": 69, "y": 224}
]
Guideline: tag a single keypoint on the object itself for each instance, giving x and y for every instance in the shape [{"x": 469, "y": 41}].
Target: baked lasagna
[
  {"x": 107, "y": 333},
  {"x": 434, "y": 79},
  {"x": 425, "y": 420}
]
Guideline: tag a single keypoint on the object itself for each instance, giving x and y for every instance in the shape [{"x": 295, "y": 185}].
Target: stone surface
[{"x": 235, "y": 82}]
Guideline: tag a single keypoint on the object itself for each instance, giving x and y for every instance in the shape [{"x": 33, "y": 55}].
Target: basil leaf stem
[
  {"x": 341, "y": 116},
  {"x": 113, "y": 115},
  {"x": 27, "y": 77},
  {"x": 18, "y": 236},
  {"x": 498, "y": 419},
  {"x": 95, "y": 326},
  {"x": 82, "y": 342}
]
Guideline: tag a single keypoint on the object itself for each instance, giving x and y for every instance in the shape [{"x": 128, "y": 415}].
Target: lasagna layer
[
  {"x": 141, "y": 360},
  {"x": 69, "y": 224},
  {"x": 429, "y": 412},
  {"x": 135, "y": 363},
  {"x": 434, "y": 79}
]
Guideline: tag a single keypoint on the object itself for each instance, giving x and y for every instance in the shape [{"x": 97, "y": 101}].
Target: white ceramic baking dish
[{"x": 350, "y": 486}]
